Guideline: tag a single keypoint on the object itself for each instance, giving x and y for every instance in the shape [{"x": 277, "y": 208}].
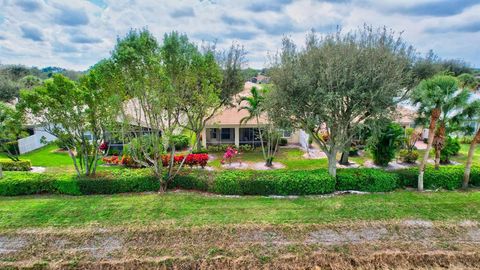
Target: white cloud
[{"x": 77, "y": 34}]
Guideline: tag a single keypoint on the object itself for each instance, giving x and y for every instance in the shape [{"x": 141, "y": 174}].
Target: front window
[
  {"x": 286, "y": 133},
  {"x": 226, "y": 133}
]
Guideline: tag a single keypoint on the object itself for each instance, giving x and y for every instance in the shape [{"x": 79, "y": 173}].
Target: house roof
[
  {"x": 231, "y": 115},
  {"x": 404, "y": 115}
]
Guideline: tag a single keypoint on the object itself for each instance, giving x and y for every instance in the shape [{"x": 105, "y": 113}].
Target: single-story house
[{"x": 225, "y": 127}]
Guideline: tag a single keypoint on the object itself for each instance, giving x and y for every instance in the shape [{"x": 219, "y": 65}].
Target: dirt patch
[
  {"x": 261, "y": 166},
  {"x": 11, "y": 244},
  {"x": 236, "y": 165},
  {"x": 410, "y": 244},
  {"x": 347, "y": 236}
]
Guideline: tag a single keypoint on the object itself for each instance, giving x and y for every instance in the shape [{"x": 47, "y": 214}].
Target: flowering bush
[
  {"x": 230, "y": 153},
  {"x": 103, "y": 147},
  {"x": 191, "y": 160},
  {"x": 112, "y": 160}
]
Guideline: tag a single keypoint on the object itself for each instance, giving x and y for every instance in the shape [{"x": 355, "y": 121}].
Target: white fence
[{"x": 33, "y": 142}]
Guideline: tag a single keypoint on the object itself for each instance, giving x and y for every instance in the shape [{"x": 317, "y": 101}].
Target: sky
[{"x": 77, "y": 34}]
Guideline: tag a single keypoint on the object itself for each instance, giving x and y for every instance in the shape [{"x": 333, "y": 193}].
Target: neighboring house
[
  {"x": 260, "y": 79},
  {"x": 405, "y": 116},
  {"x": 225, "y": 127}
]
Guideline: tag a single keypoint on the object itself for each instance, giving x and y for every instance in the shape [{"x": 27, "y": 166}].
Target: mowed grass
[{"x": 191, "y": 209}]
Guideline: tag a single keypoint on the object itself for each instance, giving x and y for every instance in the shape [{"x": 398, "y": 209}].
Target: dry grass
[{"x": 381, "y": 245}]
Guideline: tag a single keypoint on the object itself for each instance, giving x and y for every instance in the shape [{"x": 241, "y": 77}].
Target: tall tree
[
  {"x": 198, "y": 80},
  {"x": 150, "y": 77},
  {"x": 336, "y": 83},
  {"x": 433, "y": 95},
  {"x": 451, "y": 117},
  {"x": 10, "y": 131}
]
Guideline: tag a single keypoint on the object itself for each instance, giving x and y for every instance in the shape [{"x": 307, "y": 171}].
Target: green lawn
[{"x": 187, "y": 209}]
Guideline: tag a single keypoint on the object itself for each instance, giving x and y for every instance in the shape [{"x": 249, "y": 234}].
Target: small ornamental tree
[
  {"x": 255, "y": 105},
  {"x": 440, "y": 101}
]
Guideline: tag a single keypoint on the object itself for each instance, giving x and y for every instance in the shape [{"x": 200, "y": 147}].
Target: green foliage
[
  {"x": 181, "y": 141},
  {"x": 21, "y": 165},
  {"x": 447, "y": 177},
  {"x": 10, "y": 131},
  {"x": 384, "y": 146},
  {"x": 408, "y": 156},
  {"x": 274, "y": 182},
  {"x": 193, "y": 180},
  {"x": 283, "y": 142},
  {"x": 371, "y": 180},
  {"x": 21, "y": 183},
  {"x": 223, "y": 147},
  {"x": 451, "y": 148},
  {"x": 340, "y": 81},
  {"x": 119, "y": 182}
]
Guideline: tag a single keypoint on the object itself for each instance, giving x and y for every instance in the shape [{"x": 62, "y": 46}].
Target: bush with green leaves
[
  {"x": 283, "y": 142},
  {"x": 408, "y": 156},
  {"x": 385, "y": 144},
  {"x": 370, "y": 180},
  {"x": 10, "y": 165},
  {"x": 274, "y": 182},
  {"x": 119, "y": 181},
  {"x": 451, "y": 148},
  {"x": 447, "y": 177},
  {"x": 181, "y": 141}
]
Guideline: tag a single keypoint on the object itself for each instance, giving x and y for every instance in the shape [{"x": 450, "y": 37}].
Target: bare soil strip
[{"x": 386, "y": 245}]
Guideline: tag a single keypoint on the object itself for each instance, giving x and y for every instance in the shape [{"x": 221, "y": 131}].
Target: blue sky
[{"x": 77, "y": 34}]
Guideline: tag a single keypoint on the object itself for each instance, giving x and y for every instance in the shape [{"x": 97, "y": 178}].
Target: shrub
[
  {"x": 193, "y": 180},
  {"x": 451, "y": 148},
  {"x": 450, "y": 177},
  {"x": 283, "y": 142},
  {"x": 120, "y": 181},
  {"x": 408, "y": 156},
  {"x": 384, "y": 145},
  {"x": 370, "y": 180},
  {"x": 181, "y": 141},
  {"x": 21, "y": 183},
  {"x": 191, "y": 160},
  {"x": 201, "y": 151},
  {"x": 274, "y": 182},
  {"x": 10, "y": 165},
  {"x": 246, "y": 148}
]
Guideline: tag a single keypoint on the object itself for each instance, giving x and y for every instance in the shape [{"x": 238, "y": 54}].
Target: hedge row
[
  {"x": 235, "y": 182},
  {"x": 121, "y": 181},
  {"x": 10, "y": 165}
]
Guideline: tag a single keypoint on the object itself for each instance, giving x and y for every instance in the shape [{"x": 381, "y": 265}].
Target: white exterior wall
[
  {"x": 33, "y": 142},
  {"x": 303, "y": 139}
]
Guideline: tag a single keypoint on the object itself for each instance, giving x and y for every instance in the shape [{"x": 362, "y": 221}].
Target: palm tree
[
  {"x": 254, "y": 105},
  {"x": 433, "y": 95},
  {"x": 467, "y": 81}
]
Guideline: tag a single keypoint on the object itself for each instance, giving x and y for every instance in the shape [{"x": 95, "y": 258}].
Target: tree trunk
[
  {"x": 1, "y": 171},
  {"x": 431, "y": 134},
  {"x": 198, "y": 135},
  {"x": 439, "y": 143},
  {"x": 437, "y": 159},
  {"x": 332, "y": 163},
  {"x": 344, "y": 158},
  {"x": 74, "y": 158},
  {"x": 468, "y": 166}
]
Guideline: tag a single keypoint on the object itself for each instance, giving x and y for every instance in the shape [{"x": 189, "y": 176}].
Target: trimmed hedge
[
  {"x": 120, "y": 181},
  {"x": 370, "y": 180},
  {"x": 447, "y": 177},
  {"x": 10, "y": 165},
  {"x": 235, "y": 182}
]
